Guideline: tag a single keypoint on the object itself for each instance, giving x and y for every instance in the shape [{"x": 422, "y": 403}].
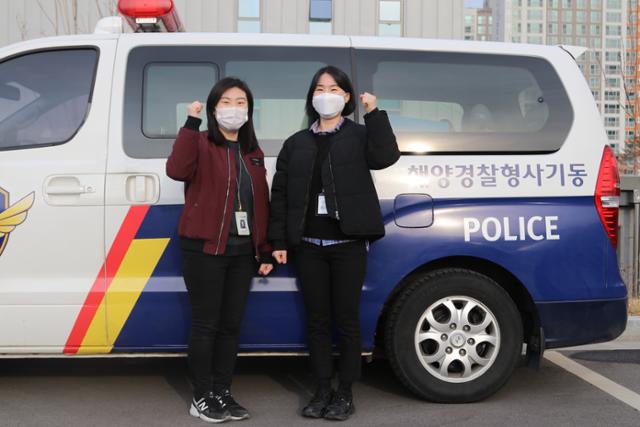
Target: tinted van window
[
  {"x": 44, "y": 97},
  {"x": 279, "y": 91},
  {"x": 455, "y": 102},
  {"x": 162, "y": 79},
  {"x": 168, "y": 90}
]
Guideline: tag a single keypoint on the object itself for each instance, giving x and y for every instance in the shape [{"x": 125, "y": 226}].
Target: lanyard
[{"x": 239, "y": 180}]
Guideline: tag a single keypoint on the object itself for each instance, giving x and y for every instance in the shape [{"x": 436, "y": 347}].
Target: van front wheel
[{"x": 453, "y": 335}]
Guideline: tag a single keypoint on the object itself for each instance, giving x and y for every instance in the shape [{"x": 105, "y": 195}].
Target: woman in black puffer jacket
[{"x": 324, "y": 207}]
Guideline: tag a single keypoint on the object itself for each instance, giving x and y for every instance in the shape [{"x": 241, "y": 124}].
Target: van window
[
  {"x": 278, "y": 77},
  {"x": 168, "y": 90},
  {"x": 279, "y": 92},
  {"x": 44, "y": 97},
  {"x": 466, "y": 103}
]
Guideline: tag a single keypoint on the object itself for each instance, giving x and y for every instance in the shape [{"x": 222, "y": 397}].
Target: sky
[{"x": 473, "y": 3}]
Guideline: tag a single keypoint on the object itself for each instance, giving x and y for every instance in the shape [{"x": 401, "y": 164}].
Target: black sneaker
[
  {"x": 318, "y": 404},
  {"x": 340, "y": 408},
  {"x": 209, "y": 409},
  {"x": 237, "y": 411}
]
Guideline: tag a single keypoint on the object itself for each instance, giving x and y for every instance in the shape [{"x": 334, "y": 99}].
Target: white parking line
[{"x": 621, "y": 393}]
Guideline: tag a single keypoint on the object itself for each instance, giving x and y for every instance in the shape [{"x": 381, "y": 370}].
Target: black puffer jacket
[{"x": 350, "y": 194}]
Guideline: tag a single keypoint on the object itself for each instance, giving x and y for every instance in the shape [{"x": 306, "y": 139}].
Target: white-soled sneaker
[
  {"x": 237, "y": 411},
  {"x": 209, "y": 409}
]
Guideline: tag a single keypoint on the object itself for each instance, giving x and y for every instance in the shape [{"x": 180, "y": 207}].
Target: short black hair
[
  {"x": 246, "y": 134},
  {"x": 343, "y": 81}
]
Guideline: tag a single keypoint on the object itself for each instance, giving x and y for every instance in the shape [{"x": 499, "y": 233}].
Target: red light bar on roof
[{"x": 151, "y": 15}]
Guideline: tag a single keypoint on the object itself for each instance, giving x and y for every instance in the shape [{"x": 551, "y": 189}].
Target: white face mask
[
  {"x": 328, "y": 105},
  {"x": 232, "y": 118}
]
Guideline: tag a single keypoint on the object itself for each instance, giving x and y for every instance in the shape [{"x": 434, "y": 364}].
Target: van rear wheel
[{"x": 453, "y": 335}]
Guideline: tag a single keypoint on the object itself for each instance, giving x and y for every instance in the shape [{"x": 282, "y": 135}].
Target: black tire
[{"x": 420, "y": 293}]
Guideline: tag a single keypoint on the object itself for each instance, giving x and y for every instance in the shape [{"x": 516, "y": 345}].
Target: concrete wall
[
  {"x": 355, "y": 17},
  {"x": 629, "y": 233},
  {"x": 434, "y": 18},
  {"x": 207, "y": 15},
  {"x": 26, "y": 19},
  {"x": 285, "y": 16}
]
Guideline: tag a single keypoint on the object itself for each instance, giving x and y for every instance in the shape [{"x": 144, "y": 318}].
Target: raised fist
[
  {"x": 369, "y": 101},
  {"x": 194, "y": 109}
]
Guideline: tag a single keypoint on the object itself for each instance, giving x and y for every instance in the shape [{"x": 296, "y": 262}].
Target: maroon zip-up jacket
[{"x": 208, "y": 171}]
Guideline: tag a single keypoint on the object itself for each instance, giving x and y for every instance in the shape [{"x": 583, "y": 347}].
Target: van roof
[{"x": 308, "y": 40}]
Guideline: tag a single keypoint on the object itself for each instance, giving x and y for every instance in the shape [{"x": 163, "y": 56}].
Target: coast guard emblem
[{"x": 12, "y": 216}]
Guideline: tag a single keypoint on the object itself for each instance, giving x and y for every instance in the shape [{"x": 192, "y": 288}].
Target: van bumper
[{"x": 570, "y": 323}]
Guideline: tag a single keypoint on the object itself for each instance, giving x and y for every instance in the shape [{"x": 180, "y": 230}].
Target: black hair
[
  {"x": 246, "y": 134},
  {"x": 343, "y": 82}
]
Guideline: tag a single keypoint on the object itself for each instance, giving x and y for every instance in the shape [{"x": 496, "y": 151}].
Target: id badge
[
  {"x": 322, "y": 205},
  {"x": 242, "y": 222}
]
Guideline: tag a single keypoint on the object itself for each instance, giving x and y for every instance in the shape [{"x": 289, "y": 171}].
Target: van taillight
[{"x": 608, "y": 194}]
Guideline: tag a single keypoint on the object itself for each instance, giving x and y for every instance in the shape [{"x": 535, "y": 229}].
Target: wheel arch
[{"x": 505, "y": 279}]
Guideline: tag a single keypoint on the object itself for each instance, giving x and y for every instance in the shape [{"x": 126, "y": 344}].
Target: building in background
[
  {"x": 600, "y": 25},
  {"x": 519, "y": 21},
  {"x": 25, "y": 19},
  {"x": 630, "y": 157},
  {"x": 478, "y": 23}
]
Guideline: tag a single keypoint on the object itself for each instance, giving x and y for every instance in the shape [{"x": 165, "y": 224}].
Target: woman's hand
[
  {"x": 194, "y": 109},
  {"x": 280, "y": 256},
  {"x": 369, "y": 101},
  {"x": 265, "y": 269}
]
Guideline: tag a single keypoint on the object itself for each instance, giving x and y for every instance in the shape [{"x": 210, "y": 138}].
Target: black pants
[
  {"x": 331, "y": 278},
  {"x": 218, "y": 287}
]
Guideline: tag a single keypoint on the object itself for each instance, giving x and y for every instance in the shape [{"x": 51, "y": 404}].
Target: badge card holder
[
  {"x": 321, "y": 206},
  {"x": 242, "y": 222}
]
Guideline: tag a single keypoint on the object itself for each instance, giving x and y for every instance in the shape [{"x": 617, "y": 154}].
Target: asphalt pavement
[{"x": 155, "y": 392}]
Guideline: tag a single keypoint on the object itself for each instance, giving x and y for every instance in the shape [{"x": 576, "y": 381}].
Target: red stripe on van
[{"x": 118, "y": 249}]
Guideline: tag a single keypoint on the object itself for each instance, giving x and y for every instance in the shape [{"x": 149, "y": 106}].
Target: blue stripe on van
[{"x": 580, "y": 266}]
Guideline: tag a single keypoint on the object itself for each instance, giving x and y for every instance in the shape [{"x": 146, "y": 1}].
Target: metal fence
[{"x": 629, "y": 234}]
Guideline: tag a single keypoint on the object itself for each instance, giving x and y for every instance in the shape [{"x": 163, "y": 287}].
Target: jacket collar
[{"x": 315, "y": 127}]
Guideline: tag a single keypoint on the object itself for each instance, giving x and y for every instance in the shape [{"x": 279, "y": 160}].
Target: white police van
[{"x": 501, "y": 215}]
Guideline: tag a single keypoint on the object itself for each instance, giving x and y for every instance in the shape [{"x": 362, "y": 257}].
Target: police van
[{"x": 500, "y": 216}]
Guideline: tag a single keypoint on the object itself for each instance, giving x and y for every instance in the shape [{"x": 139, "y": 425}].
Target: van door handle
[
  {"x": 142, "y": 188},
  {"x": 74, "y": 190},
  {"x": 67, "y": 186},
  {"x": 61, "y": 191}
]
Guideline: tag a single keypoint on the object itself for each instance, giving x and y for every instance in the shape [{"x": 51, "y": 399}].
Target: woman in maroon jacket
[{"x": 223, "y": 231}]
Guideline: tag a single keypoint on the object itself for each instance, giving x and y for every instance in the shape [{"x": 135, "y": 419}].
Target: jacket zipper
[
  {"x": 306, "y": 199},
  {"x": 226, "y": 198},
  {"x": 253, "y": 195},
  {"x": 333, "y": 184}
]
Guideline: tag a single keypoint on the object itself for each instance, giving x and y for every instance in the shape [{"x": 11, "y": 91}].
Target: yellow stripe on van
[
  {"x": 137, "y": 266},
  {"x": 95, "y": 340},
  {"x": 134, "y": 273}
]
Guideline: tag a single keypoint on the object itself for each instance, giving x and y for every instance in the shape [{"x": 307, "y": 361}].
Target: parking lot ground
[
  {"x": 620, "y": 366},
  {"x": 155, "y": 392}
]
